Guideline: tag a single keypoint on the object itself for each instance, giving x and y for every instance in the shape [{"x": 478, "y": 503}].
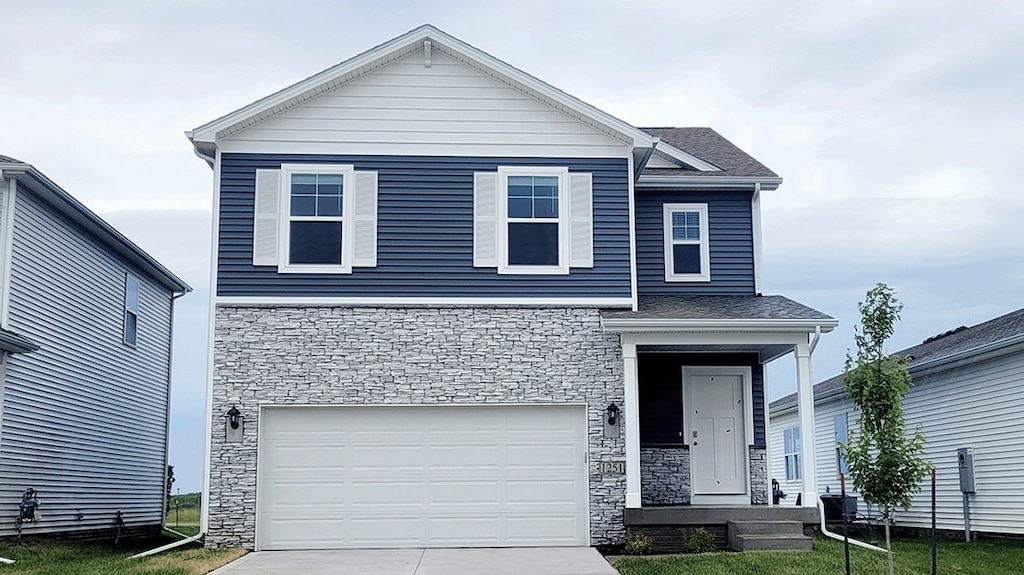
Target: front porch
[
  {"x": 695, "y": 417},
  {"x": 669, "y": 526}
]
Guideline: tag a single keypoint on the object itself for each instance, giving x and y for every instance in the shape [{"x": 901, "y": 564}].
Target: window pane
[
  {"x": 686, "y": 259},
  {"x": 131, "y": 327},
  {"x": 520, "y": 208},
  {"x": 545, "y": 208},
  {"x": 328, "y": 206},
  {"x": 533, "y": 244},
  {"x": 131, "y": 294},
  {"x": 303, "y": 205},
  {"x": 686, "y": 226},
  {"x": 545, "y": 186},
  {"x": 315, "y": 243},
  {"x": 330, "y": 180},
  {"x": 520, "y": 185}
]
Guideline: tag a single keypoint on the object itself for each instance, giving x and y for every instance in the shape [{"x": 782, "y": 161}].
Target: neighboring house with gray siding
[
  {"x": 968, "y": 391},
  {"x": 455, "y": 306},
  {"x": 85, "y": 348}
]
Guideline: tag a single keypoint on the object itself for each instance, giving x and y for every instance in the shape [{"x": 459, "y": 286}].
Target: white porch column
[
  {"x": 632, "y": 407},
  {"x": 805, "y": 409}
]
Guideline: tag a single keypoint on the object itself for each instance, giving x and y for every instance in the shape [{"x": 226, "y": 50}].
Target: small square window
[{"x": 687, "y": 252}]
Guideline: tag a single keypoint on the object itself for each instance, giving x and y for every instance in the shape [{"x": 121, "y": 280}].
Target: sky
[{"x": 895, "y": 125}]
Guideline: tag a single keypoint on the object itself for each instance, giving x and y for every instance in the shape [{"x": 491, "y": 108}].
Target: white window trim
[
  {"x": 705, "y": 248},
  {"x": 347, "y": 230},
  {"x": 563, "y": 219},
  {"x": 796, "y": 455}
]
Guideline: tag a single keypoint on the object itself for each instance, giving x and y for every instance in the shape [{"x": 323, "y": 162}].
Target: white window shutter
[
  {"x": 485, "y": 219},
  {"x": 364, "y": 220},
  {"x": 266, "y": 221},
  {"x": 581, "y": 220}
]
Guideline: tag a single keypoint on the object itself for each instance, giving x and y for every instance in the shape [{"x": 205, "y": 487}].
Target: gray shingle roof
[
  {"x": 9, "y": 160},
  {"x": 948, "y": 344},
  {"x": 713, "y": 307},
  {"x": 711, "y": 147}
]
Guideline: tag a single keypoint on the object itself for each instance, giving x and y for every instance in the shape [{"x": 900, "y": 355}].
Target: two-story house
[
  {"x": 85, "y": 352},
  {"x": 456, "y": 306}
]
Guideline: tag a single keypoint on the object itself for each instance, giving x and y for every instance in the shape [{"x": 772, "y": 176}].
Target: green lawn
[
  {"x": 104, "y": 558},
  {"x": 913, "y": 557}
]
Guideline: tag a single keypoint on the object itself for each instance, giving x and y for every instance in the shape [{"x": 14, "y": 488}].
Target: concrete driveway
[{"x": 519, "y": 561}]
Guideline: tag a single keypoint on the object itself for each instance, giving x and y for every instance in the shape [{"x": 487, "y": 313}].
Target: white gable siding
[
  {"x": 407, "y": 108},
  {"x": 85, "y": 416},
  {"x": 980, "y": 405}
]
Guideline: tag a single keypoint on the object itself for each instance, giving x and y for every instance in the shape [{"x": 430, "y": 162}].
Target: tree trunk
[{"x": 887, "y": 514}]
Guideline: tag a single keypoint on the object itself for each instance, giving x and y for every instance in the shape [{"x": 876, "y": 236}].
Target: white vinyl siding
[
  {"x": 277, "y": 213},
  {"x": 979, "y": 405},
  {"x": 85, "y": 416},
  {"x": 407, "y": 108},
  {"x": 422, "y": 476}
]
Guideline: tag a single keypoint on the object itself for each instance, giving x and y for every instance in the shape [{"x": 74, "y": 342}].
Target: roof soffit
[{"x": 402, "y": 46}]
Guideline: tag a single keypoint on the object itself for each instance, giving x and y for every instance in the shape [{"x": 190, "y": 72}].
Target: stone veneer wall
[
  {"x": 664, "y": 476},
  {"x": 759, "y": 488},
  {"x": 353, "y": 356}
]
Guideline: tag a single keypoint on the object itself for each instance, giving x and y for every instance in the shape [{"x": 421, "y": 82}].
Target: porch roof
[{"x": 719, "y": 311}]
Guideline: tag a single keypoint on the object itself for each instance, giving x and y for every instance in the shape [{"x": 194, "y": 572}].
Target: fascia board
[
  {"x": 630, "y": 325},
  {"x": 64, "y": 202},
  {"x": 705, "y": 182},
  {"x": 400, "y": 46},
  {"x": 689, "y": 159}
]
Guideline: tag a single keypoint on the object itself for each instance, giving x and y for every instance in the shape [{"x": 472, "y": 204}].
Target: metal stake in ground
[{"x": 846, "y": 522}]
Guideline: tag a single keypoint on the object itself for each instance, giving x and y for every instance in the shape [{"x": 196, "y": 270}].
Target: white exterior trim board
[
  {"x": 290, "y": 301},
  {"x": 706, "y": 182},
  {"x": 803, "y": 326}
]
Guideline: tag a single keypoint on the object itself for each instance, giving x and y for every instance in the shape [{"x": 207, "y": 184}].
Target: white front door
[{"x": 715, "y": 406}]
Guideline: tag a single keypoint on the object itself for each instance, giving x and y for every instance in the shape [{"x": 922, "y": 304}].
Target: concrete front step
[
  {"x": 774, "y": 543},
  {"x": 768, "y": 536},
  {"x": 767, "y": 527}
]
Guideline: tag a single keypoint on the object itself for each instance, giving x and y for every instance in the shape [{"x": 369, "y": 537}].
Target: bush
[
  {"x": 638, "y": 544},
  {"x": 700, "y": 541}
]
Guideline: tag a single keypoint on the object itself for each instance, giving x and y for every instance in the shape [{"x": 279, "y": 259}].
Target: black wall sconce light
[
  {"x": 233, "y": 425},
  {"x": 234, "y": 417},
  {"x": 612, "y": 414}
]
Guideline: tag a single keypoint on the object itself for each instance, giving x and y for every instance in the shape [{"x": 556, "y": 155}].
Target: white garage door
[{"x": 364, "y": 477}]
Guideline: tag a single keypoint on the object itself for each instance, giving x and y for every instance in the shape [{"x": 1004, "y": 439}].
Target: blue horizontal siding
[
  {"x": 424, "y": 233},
  {"x": 730, "y": 226}
]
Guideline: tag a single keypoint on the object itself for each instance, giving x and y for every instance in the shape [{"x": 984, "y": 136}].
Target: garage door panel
[{"x": 452, "y": 476}]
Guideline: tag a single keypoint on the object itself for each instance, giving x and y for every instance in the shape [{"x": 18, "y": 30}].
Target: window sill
[
  {"x": 534, "y": 270},
  {"x": 695, "y": 278},
  {"x": 314, "y": 269}
]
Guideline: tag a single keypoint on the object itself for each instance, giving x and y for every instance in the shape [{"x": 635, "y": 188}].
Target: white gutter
[
  {"x": 169, "y": 546},
  {"x": 827, "y": 533},
  {"x": 654, "y": 181}
]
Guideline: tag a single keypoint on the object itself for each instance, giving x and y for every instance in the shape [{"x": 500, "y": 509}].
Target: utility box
[{"x": 965, "y": 463}]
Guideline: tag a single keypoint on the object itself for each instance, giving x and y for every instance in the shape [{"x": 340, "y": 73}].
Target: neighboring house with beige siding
[
  {"x": 85, "y": 348},
  {"x": 968, "y": 392}
]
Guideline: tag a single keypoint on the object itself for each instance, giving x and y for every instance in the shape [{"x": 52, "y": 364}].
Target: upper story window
[
  {"x": 791, "y": 453},
  {"x": 534, "y": 228},
  {"x": 839, "y": 426},
  {"x": 687, "y": 251},
  {"x": 533, "y": 220},
  {"x": 315, "y": 218},
  {"x": 131, "y": 310}
]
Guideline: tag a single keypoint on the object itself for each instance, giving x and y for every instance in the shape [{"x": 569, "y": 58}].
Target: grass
[
  {"x": 41, "y": 557},
  {"x": 912, "y": 557}
]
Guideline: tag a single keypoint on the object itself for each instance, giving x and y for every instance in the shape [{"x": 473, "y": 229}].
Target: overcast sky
[{"x": 896, "y": 126}]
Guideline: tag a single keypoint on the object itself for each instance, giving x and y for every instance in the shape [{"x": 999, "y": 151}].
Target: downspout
[
  {"x": 167, "y": 547},
  {"x": 827, "y": 533},
  {"x": 814, "y": 340}
]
